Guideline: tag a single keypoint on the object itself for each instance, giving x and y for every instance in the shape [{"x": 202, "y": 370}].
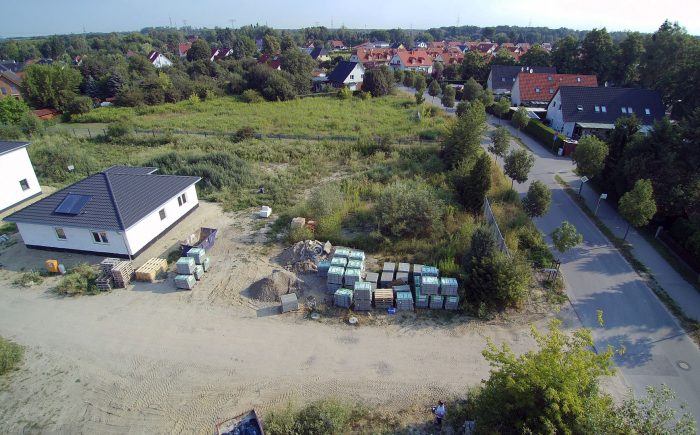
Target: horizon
[{"x": 84, "y": 16}]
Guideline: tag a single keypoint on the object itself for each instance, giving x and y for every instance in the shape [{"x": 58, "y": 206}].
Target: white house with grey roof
[
  {"x": 119, "y": 212},
  {"x": 18, "y": 181}
]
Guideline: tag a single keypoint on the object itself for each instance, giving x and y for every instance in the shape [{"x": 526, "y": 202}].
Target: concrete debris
[{"x": 298, "y": 222}]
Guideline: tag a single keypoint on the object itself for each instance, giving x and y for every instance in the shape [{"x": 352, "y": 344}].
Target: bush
[
  {"x": 28, "y": 279},
  {"x": 543, "y": 134},
  {"x": 532, "y": 243},
  {"x": 327, "y": 417},
  {"x": 10, "y": 132},
  {"x": 119, "y": 129},
  {"x": 244, "y": 133},
  {"x": 252, "y": 96},
  {"x": 408, "y": 209},
  {"x": 344, "y": 93},
  {"x": 297, "y": 234},
  {"x": 78, "y": 105},
  {"x": 326, "y": 200},
  {"x": 79, "y": 280},
  {"x": 10, "y": 355}
]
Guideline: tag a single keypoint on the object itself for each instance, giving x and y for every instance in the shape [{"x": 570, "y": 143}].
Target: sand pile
[{"x": 269, "y": 289}]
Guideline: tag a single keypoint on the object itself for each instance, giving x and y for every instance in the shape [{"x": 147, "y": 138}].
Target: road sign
[
  {"x": 584, "y": 179},
  {"x": 603, "y": 196}
]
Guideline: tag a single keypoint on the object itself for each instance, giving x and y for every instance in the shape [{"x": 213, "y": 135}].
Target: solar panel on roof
[{"x": 72, "y": 204}]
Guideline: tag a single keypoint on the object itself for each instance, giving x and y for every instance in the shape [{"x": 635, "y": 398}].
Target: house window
[
  {"x": 4, "y": 91},
  {"x": 503, "y": 79},
  {"x": 24, "y": 184},
  {"x": 550, "y": 78},
  {"x": 99, "y": 236},
  {"x": 162, "y": 213},
  {"x": 597, "y": 109},
  {"x": 647, "y": 112},
  {"x": 629, "y": 110},
  {"x": 181, "y": 199},
  {"x": 578, "y": 79},
  {"x": 551, "y": 91},
  {"x": 537, "y": 90},
  {"x": 603, "y": 109},
  {"x": 624, "y": 110},
  {"x": 352, "y": 76},
  {"x": 579, "y": 108},
  {"x": 60, "y": 233}
]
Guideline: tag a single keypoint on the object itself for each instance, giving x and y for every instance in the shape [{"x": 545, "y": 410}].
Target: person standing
[{"x": 439, "y": 412}]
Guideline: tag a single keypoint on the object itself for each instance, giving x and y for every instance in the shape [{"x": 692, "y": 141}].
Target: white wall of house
[
  {"x": 555, "y": 116},
  {"x": 356, "y": 76},
  {"x": 145, "y": 230},
  {"x": 515, "y": 93},
  {"x": 76, "y": 238},
  {"x": 15, "y": 167},
  {"x": 162, "y": 61},
  {"x": 395, "y": 63}
]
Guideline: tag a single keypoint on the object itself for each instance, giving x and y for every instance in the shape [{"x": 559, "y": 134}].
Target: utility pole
[{"x": 171, "y": 20}]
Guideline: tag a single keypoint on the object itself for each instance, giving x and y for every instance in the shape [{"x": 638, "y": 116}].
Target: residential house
[
  {"x": 438, "y": 44},
  {"x": 11, "y": 65},
  {"x": 372, "y": 57},
  {"x": 347, "y": 74},
  {"x": 320, "y": 54},
  {"x": 502, "y": 77},
  {"x": 537, "y": 89},
  {"x": 414, "y": 60},
  {"x": 397, "y": 46},
  {"x": 10, "y": 84},
  {"x": 452, "y": 57},
  {"x": 420, "y": 45},
  {"x": 17, "y": 180},
  {"x": 159, "y": 60},
  {"x": 337, "y": 45},
  {"x": 220, "y": 53},
  {"x": 46, "y": 114},
  {"x": 273, "y": 61},
  {"x": 487, "y": 48},
  {"x": 183, "y": 48},
  {"x": 576, "y": 111},
  {"x": 118, "y": 212}
]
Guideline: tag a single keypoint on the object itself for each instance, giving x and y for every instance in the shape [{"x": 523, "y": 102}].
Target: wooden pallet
[
  {"x": 122, "y": 273},
  {"x": 150, "y": 269},
  {"x": 108, "y": 263},
  {"x": 384, "y": 298},
  {"x": 104, "y": 282}
]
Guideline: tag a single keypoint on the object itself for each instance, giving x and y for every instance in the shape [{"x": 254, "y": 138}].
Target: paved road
[{"x": 657, "y": 350}]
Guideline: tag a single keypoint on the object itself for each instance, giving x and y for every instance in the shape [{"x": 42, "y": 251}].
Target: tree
[
  {"x": 504, "y": 57},
  {"x": 565, "y": 56},
  {"x": 200, "y": 50},
  {"x": 419, "y": 83},
  {"x": 472, "y": 90},
  {"x": 448, "y": 97},
  {"x": 498, "y": 280},
  {"x": 518, "y": 164},
  {"x": 461, "y": 109},
  {"x": 590, "y": 156},
  {"x": 408, "y": 79},
  {"x": 551, "y": 390},
  {"x": 637, "y": 206},
  {"x": 501, "y": 107},
  {"x": 472, "y": 187},
  {"x": 621, "y": 137},
  {"x": 520, "y": 118},
  {"x": 50, "y": 85},
  {"x": 653, "y": 414},
  {"x": 398, "y": 76},
  {"x": 628, "y": 60},
  {"x": 486, "y": 98},
  {"x": 598, "y": 54},
  {"x": 536, "y": 56},
  {"x": 566, "y": 237},
  {"x": 243, "y": 46},
  {"x": 297, "y": 63},
  {"x": 419, "y": 98},
  {"x": 12, "y": 110},
  {"x": 375, "y": 82},
  {"x": 538, "y": 199},
  {"x": 287, "y": 42},
  {"x": 434, "y": 89},
  {"x": 500, "y": 142},
  {"x": 438, "y": 68},
  {"x": 473, "y": 65},
  {"x": 463, "y": 140},
  {"x": 270, "y": 44},
  {"x": 408, "y": 209}
]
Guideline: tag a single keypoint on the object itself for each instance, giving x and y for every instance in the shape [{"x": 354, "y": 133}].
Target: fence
[{"x": 491, "y": 220}]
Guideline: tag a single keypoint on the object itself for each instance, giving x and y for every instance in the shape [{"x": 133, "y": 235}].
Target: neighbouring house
[
  {"x": 537, "y": 89},
  {"x": 502, "y": 77},
  {"x": 397, "y": 46},
  {"x": 576, "y": 111},
  {"x": 12, "y": 65},
  {"x": 337, "y": 44},
  {"x": 9, "y": 84},
  {"x": 183, "y": 48},
  {"x": 320, "y": 54},
  {"x": 118, "y": 212},
  {"x": 273, "y": 61},
  {"x": 17, "y": 180},
  {"x": 220, "y": 53},
  {"x": 46, "y": 114},
  {"x": 487, "y": 48},
  {"x": 414, "y": 60},
  {"x": 159, "y": 60},
  {"x": 347, "y": 74},
  {"x": 421, "y": 44},
  {"x": 372, "y": 57}
]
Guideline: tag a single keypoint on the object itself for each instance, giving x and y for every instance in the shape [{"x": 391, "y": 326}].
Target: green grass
[
  {"x": 392, "y": 115},
  {"x": 8, "y": 227},
  {"x": 10, "y": 355},
  {"x": 692, "y": 326},
  {"x": 28, "y": 279}
]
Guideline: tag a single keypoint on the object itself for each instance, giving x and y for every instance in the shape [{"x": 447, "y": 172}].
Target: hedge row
[{"x": 544, "y": 135}]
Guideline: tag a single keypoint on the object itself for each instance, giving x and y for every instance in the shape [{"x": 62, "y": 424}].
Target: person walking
[{"x": 439, "y": 412}]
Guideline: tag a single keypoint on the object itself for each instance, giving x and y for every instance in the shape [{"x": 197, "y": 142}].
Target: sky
[{"x": 48, "y": 17}]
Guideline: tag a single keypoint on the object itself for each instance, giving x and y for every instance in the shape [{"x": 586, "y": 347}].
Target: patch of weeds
[
  {"x": 79, "y": 280},
  {"x": 8, "y": 228},
  {"x": 173, "y": 256},
  {"x": 28, "y": 279},
  {"x": 11, "y": 355}
]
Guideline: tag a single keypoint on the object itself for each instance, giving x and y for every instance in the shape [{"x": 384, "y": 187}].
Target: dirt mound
[
  {"x": 302, "y": 266},
  {"x": 269, "y": 289},
  {"x": 304, "y": 251}
]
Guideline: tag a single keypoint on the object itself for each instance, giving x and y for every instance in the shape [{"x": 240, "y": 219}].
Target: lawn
[{"x": 394, "y": 116}]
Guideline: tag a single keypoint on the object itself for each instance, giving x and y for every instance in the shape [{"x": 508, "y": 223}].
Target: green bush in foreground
[
  {"x": 10, "y": 355},
  {"x": 79, "y": 280},
  {"x": 28, "y": 279},
  {"x": 325, "y": 417}
]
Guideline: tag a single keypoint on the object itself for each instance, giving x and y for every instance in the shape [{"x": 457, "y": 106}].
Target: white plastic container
[{"x": 265, "y": 211}]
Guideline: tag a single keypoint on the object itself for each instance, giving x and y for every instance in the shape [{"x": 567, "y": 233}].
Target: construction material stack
[
  {"x": 404, "y": 300},
  {"x": 436, "y": 302},
  {"x": 383, "y": 298},
  {"x": 107, "y": 265},
  {"x": 448, "y": 286},
  {"x": 323, "y": 267},
  {"x": 422, "y": 301},
  {"x": 185, "y": 268},
  {"x": 289, "y": 302},
  {"x": 402, "y": 273},
  {"x": 387, "y": 276},
  {"x": 352, "y": 276},
  {"x": 363, "y": 296},
  {"x": 430, "y": 285},
  {"x": 150, "y": 269},
  {"x": 334, "y": 280},
  {"x": 451, "y": 302},
  {"x": 373, "y": 279},
  {"x": 122, "y": 273},
  {"x": 103, "y": 282},
  {"x": 343, "y": 298}
]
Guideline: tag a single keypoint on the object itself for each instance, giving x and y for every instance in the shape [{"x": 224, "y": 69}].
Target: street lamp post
[
  {"x": 602, "y": 196},
  {"x": 584, "y": 179}
]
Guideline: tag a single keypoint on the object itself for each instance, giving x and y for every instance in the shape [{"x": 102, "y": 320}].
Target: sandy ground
[{"x": 150, "y": 359}]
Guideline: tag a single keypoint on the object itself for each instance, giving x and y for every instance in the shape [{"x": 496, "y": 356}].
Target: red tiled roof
[
  {"x": 415, "y": 58},
  {"x": 548, "y": 84},
  {"x": 183, "y": 48},
  {"x": 375, "y": 55},
  {"x": 336, "y": 43},
  {"x": 46, "y": 113}
]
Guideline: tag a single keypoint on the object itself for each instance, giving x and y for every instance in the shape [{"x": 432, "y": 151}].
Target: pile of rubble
[{"x": 304, "y": 256}]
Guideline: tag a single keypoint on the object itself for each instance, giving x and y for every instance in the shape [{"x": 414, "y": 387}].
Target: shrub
[
  {"x": 543, "y": 134},
  {"x": 78, "y": 105},
  {"x": 298, "y": 234},
  {"x": 10, "y": 132},
  {"x": 119, "y": 129},
  {"x": 408, "y": 209},
  {"x": 252, "y": 96},
  {"x": 244, "y": 133},
  {"x": 10, "y": 355},
  {"x": 344, "y": 93},
  {"x": 327, "y": 417},
  {"x": 532, "y": 243},
  {"x": 28, "y": 279},
  {"x": 79, "y": 280},
  {"x": 326, "y": 200}
]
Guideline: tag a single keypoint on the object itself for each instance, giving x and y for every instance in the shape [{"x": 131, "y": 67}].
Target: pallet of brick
[
  {"x": 404, "y": 301},
  {"x": 198, "y": 254},
  {"x": 448, "y": 286},
  {"x": 429, "y": 285},
  {"x": 356, "y": 264},
  {"x": 430, "y": 271},
  {"x": 416, "y": 273},
  {"x": 383, "y": 298},
  {"x": 150, "y": 269},
  {"x": 331, "y": 287},
  {"x": 289, "y": 302},
  {"x": 343, "y": 298},
  {"x": 339, "y": 261},
  {"x": 451, "y": 302},
  {"x": 323, "y": 267},
  {"x": 107, "y": 264},
  {"x": 401, "y": 288},
  {"x": 341, "y": 253},
  {"x": 198, "y": 272},
  {"x": 357, "y": 255},
  {"x": 386, "y": 278},
  {"x": 185, "y": 266},
  {"x": 403, "y": 268},
  {"x": 334, "y": 278},
  {"x": 422, "y": 301},
  {"x": 372, "y": 278},
  {"x": 206, "y": 264},
  {"x": 362, "y": 291},
  {"x": 401, "y": 277},
  {"x": 362, "y": 305},
  {"x": 122, "y": 273},
  {"x": 436, "y": 302},
  {"x": 104, "y": 282},
  {"x": 351, "y": 277},
  {"x": 389, "y": 267},
  {"x": 185, "y": 282}
]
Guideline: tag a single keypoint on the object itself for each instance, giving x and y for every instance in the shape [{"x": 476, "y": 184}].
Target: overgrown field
[{"x": 393, "y": 116}]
